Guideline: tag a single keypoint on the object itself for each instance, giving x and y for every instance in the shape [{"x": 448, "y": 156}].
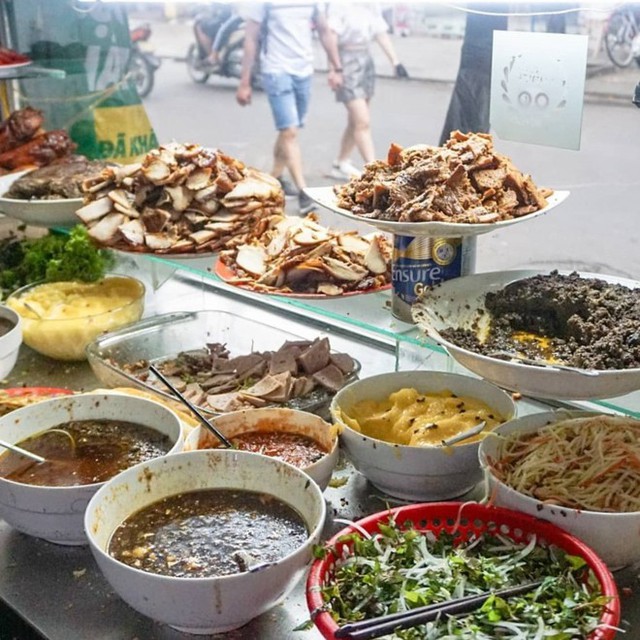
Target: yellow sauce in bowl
[
  {"x": 407, "y": 417},
  {"x": 61, "y": 318}
]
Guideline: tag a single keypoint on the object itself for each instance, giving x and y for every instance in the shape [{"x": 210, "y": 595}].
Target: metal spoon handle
[
  {"x": 205, "y": 423},
  {"x": 21, "y": 451},
  {"x": 469, "y": 433}
]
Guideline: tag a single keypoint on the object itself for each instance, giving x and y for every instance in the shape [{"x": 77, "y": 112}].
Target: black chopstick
[
  {"x": 376, "y": 627},
  {"x": 205, "y": 423}
]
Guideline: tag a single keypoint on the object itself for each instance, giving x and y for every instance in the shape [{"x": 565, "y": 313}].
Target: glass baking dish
[{"x": 164, "y": 336}]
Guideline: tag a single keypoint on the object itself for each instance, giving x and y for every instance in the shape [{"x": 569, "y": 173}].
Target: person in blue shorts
[{"x": 282, "y": 35}]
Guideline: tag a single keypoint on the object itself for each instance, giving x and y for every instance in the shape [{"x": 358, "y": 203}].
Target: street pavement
[{"x": 427, "y": 58}]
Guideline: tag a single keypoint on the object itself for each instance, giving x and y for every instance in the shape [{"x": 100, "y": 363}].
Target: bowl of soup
[
  {"x": 207, "y": 540},
  {"x": 302, "y": 439},
  {"x": 61, "y": 318},
  {"x": 10, "y": 339},
  {"x": 395, "y": 428},
  {"x": 85, "y": 440}
]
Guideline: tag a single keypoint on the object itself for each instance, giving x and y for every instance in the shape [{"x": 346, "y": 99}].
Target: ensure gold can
[{"x": 420, "y": 262}]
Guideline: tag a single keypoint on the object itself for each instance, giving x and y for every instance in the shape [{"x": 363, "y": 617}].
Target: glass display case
[{"x": 59, "y": 593}]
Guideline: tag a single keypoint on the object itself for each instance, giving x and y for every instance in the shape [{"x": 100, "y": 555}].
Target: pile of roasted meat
[
  {"x": 214, "y": 380},
  {"x": 465, "y": 181},
  {"x": 25, "y": 145},
  {"x": 182, "y": 198},
  {"x": 299, "y": 255},
  {"x": 586, "y": 323},
  {"x": 61, "y": 180}
]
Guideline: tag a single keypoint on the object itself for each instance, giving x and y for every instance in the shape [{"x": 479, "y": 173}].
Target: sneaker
[
  {"x": 288, "y": 187},
  {"x": 344, "y": 170},
  {"x": 305, "y": 204}
]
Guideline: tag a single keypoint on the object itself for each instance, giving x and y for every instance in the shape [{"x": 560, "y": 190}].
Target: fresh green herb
[
  {"x": 402, "y": 568},
  {"x": 52, "y": 258},
  {"x": 304, "y": 626}
]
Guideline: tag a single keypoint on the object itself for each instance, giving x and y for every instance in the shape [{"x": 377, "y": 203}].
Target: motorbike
[
  {"x": 143, "y": 63},
  {"x": 622, "y": 35},
  {"x": 230, "y": 60}
]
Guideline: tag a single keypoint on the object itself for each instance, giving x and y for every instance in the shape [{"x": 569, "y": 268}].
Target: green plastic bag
[{"x": 96, "y": 102}]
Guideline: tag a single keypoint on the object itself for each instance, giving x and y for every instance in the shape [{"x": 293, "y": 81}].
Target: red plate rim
[
  {"x": 16, "y": 392},
  {"x": 225, "y": 273},
  {"x": 449, "y": 512}
]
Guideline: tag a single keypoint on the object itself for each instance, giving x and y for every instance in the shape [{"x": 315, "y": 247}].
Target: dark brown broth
[
  {"x": 209, "y": 532},
  {"x": 5, "y": 326},
  {"x": 103, "y": 448}
]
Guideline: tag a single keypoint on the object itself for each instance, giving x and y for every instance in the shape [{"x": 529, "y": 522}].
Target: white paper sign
[{"x": 537, "y": 87}]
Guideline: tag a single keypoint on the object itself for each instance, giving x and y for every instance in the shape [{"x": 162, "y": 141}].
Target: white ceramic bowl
[
  {"x": 203, "y": 605},
  {"x": 38, "y": 213},
  {"x": 275, "y": 419},
  {"x": 460, "y": 303},
  {"x": 408, "y": 472},
  {"x": 56, "y": 513},
  {"x": 615, "y": 537},
  {"x": 9, "y": 342}
]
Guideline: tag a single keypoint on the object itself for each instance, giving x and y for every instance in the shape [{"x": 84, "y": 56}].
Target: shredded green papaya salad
[{"x": 401, "y": 568}]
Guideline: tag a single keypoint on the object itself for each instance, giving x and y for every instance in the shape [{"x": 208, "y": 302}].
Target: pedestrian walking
[
  {"x": 471, "y": 98},
  {"x": 355, "y": 26},
  {"x": 282, "y": 36}
]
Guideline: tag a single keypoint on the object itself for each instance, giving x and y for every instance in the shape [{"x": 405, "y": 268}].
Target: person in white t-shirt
[
  {"x": 281, "y": 34},
  {"x": 355, "y": 25}
]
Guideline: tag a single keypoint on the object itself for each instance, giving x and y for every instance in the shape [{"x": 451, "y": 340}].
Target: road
[{"x": 595, "y": 230}]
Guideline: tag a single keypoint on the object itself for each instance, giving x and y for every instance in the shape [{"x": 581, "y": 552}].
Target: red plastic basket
[{"x": 468, "y": 518}]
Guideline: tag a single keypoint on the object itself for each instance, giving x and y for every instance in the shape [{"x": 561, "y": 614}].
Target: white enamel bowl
[
  {"x": 275, "y": 419},
  {"x": 408, "y": 472},
  {"x": 38, "y": 213},
  {"x": 460, "y": 303},
  {"x": 615, "y": 537},
  {"x": 203, "y": 605},
  {"x": 56, "y": 513},
  {"x": 10, "y": 342}
]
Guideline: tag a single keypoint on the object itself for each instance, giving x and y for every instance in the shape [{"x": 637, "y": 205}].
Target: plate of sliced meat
[
  {"x": 298, "y": 257},
  {"x": 180, "y": 199},
  {"x": 463, "y": 188},
  {"x": 223, "y": 362},
  {"x": 230, "y": 276},
  {"x": 327, "y": 198}
]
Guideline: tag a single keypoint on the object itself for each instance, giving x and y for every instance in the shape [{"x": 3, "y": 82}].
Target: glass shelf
[
  {"x": 365, "y": 317},
  {"x": 31, "y": 71}
]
